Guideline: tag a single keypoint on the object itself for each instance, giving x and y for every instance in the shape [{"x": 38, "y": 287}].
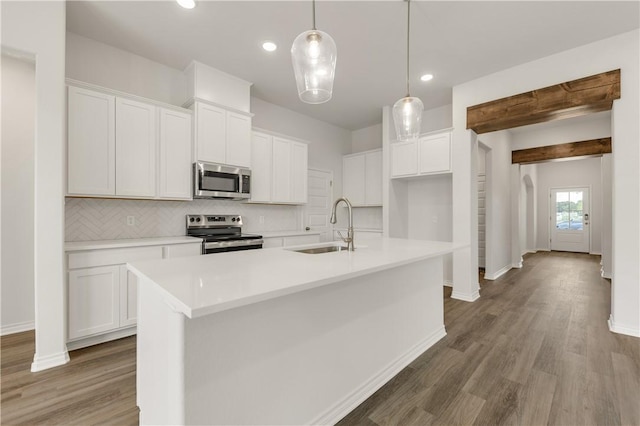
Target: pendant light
[
  {"x": 314, "y": 63},
  {"x": 407, "y": 112}
]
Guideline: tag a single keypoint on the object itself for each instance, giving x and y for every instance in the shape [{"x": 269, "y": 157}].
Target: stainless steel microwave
[{"x": 221, "y": 181}]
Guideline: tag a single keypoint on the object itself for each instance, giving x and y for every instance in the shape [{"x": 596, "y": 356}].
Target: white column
[{"x": 516, "y": 255}]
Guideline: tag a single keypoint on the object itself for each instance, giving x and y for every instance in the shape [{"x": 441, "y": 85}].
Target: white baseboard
[
  {"x": 543, "y": 249},
  {"x": 466, "y": 296},
  {"x": 616, "y": 328},
  {"x": 17, "y": 328},
  {"x": 334, "y": 414},
  {"x": 45, "y": 362},
  {"x": 595, "y": 253},
  {"x": 448, "y": 283},
  {"x": 101, "y": 338},
  {"x": 605, "y": 274},
  {"x": 498, "y": 274}
]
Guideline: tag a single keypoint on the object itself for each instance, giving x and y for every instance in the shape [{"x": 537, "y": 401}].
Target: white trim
[
  {"x": 101, "y": 338},
  {"x": 49, "y": 361},
  {"x": 187, "y": 105},
  {"x": 614, "y": 328},
  {"x": 280, "y": 135},
  {"x": 447, "y": 283},
  {"x": 18, "y": 327},
  {"x": 606, "y": 274},
  {"x": 499, "y": 273},
  {"x": 595, "y": 254},
  {"x": 542, "y": 249},
  {"x": 466, "y": 296},
  {"x": 355, "y": 398}
]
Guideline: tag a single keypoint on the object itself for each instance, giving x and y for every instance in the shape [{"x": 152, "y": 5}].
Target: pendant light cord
[
  {"x": 408, "y": 32},
  {"x": 313, "y": 3}
]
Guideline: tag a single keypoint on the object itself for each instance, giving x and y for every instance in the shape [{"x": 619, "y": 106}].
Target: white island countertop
[{"x": 201, "y": 285}]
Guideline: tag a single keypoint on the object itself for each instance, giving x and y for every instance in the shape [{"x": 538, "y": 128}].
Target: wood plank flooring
[{"x": 533, "y": 350}]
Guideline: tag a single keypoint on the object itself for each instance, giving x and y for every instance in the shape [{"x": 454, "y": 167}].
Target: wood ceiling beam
[
  {"x": 571, "y": 99},
  {"x": 566, "y": 150}
]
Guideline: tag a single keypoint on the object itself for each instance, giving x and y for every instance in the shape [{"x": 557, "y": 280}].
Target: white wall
[
  {"x": 528, "y": 211},
  {"x": 620, "y": 52},
  {"x": 607, "y": 216},
  {"x": 574, "y": 173},
  {"x": 98, "y": 63},
  {"x": 593, "y": 126},
  {"x": 38, "y": 28},
  {"x": 367, "y": 138},
  {"x": 18, "y": 173},
  {"x": 498, "y": 203}
]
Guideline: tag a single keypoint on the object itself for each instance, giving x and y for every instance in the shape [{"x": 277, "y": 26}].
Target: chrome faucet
[{"x": 349, "y": 238}]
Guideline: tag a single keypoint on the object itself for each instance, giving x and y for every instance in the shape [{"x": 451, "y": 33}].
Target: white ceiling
[{"x": 454, "y": 40}]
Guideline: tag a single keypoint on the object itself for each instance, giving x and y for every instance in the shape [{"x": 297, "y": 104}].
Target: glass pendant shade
[
  {"x": 314, "y": 63},
  {"x": 407, "y": 116}
]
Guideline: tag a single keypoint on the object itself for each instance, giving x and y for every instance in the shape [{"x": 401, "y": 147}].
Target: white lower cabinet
[
  {"x": 94, "y": 296},
  {"x": 102, "y": 295},
  {"x": 291, "y": 240}
]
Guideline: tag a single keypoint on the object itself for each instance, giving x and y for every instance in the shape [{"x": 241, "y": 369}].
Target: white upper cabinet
[
  {"x": 430, "y": 155},
  {"x": 278, "y": 170},
  {"x": 261, "y": 167},
  {"x": 127, "y": 148},
  {"x": 211, "y": 144},
  {"x": 222, "y": 136},
  {"x": 238, "y": 139},
  {"x": 136, "y": 145},
  {"x": 175, "y": 155},
  {"x": 362, "y": 178},
  {"x": 91, "y": 143},
  {"x": 435, "y": 154}
]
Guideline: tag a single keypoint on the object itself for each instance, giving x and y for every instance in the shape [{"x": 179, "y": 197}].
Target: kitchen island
[{"x": 276, "y": 336}]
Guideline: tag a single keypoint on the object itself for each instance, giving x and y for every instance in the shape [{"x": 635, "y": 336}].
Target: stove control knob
[
  {"x": 191, "y": 219},
  {"x": 197, "y": 219},
  {"x": 233, "y": 219}
]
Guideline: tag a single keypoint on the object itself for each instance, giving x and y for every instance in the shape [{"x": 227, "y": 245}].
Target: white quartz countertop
[
  {"x": 129, "y": 242},
  {"x": 276, "y": 234},
  {"x": 202, "y": 285}
]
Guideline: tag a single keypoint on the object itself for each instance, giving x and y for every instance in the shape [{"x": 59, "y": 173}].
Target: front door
[
  {"x": 317, "y": 211},
  {"x": 570, "y": 219}
]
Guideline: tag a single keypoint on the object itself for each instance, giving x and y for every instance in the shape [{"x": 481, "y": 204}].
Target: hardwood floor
[{"x": 534, "y": 349}]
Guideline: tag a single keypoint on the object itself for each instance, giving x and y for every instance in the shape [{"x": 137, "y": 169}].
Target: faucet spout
[{"x": 333, "y": 220}]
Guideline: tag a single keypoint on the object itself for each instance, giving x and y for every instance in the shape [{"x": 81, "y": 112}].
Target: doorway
[
  {"x": 317, "y": 211},
  {"x": 569, "y": 220}
]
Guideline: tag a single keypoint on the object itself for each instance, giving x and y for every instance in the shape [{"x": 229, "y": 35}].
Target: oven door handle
[{"x": 235, "y": 243}]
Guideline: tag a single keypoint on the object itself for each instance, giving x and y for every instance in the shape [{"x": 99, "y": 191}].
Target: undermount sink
[{"x": 318, "y": 250}]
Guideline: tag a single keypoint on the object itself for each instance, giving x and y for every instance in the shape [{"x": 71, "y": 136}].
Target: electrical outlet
[
  {"x": 261, "y": 219},
  {"x": 131, "y": 220}
]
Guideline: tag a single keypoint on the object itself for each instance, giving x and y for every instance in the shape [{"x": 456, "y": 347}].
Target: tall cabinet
[{"x": 362, "y": 178}]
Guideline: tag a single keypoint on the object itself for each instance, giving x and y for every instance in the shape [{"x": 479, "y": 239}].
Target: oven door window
[{"x": 222, "y": 182}]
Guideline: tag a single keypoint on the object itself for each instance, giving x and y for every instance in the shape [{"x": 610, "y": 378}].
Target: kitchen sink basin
[{"x": 319, "y": 250}]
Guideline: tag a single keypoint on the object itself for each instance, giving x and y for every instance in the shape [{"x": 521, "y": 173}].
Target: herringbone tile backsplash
[{"x": 88, "y": 219}]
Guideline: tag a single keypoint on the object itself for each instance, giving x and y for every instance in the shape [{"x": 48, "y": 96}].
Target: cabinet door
[
  {"x": 435, "y": 154},
  {"x": 211, "y": 133},
  {"x": 261, "y": 167},
  {"x": 238, "y": 140},
  {"x": 175, "y": 155},
  {"x": 91, "y": 143},
  {"x": 404, "y": 159},
  {"x": 373, "y": 178},
  {"x": 299, "y": 173},
  {"x": 136, "y": 148},
  {"x": 182, "y": 250},
  {"x": 353, "y": 180},
  {"x": 281, "y": 191},
  {"x": 93, "y": 300},
  {"x": 128, "y": 297}
]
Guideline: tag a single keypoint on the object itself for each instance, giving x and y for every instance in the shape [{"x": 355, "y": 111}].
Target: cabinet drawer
[{"x": 91, "y": 258}]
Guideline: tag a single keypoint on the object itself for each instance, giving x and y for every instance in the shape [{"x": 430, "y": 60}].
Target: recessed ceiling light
[
  {"x": 187, "y": 4},
  {"x": 426, "y": 77},
  {"x": 269, "y": 46}
]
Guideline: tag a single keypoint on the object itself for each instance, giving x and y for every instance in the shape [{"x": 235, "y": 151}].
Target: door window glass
[{"x": 569, "y": 210}]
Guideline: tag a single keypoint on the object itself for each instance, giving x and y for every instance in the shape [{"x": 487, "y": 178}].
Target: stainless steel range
[{"x": 221, "y": 233}]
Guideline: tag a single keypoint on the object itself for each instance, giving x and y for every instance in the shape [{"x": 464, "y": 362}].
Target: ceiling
[{"x": 457, "y": 41}]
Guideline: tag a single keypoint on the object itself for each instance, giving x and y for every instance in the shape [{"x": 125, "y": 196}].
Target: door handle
[{"x": 307, "y": 229}]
